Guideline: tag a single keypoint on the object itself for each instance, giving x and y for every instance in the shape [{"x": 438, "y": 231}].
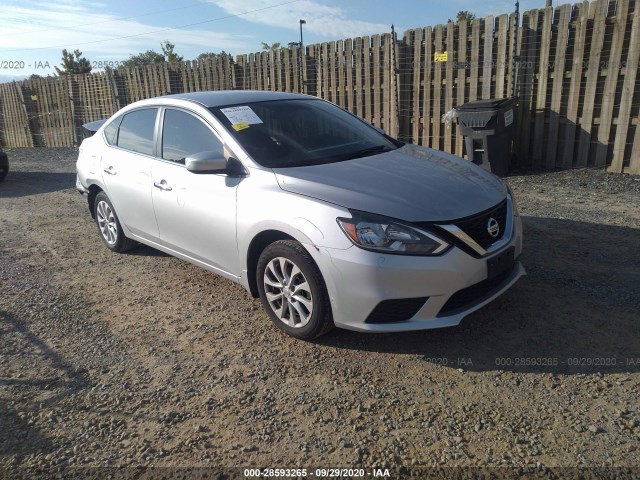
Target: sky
[{"x": 34, "y": 32}]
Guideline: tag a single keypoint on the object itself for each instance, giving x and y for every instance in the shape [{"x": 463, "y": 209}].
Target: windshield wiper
[{"x": 369, "y": 151}]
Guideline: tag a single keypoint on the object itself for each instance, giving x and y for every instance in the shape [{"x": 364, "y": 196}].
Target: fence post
[
  {"x": 239, "y": 72},
  {"x": 515, "y": 59},
  {"x": 115, "y": 97},
  {"x": 3, "y": 132},
  {"x": 310, "y": 73},
  {"x": 33, "y": 121},
  {"x": 394, "y": 66},
  {"x": 626, "y": 101},
  {"x": 73, "y": 97}
]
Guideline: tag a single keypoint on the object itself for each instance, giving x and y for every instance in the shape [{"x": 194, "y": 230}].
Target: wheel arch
[
  {"x": 94, "y": 190},
  {"x": 256, "y": 247}
]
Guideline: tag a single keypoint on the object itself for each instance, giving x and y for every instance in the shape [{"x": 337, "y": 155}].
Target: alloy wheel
[
  {"x": 107, "y": 223},
  {"x": 288, "y": 292}
]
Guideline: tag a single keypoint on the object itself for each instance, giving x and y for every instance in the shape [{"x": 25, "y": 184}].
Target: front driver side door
[{"x": 196, "y": 213}]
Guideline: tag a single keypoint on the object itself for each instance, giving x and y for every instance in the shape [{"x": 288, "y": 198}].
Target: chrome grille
[{"x": 476, "y": 226}]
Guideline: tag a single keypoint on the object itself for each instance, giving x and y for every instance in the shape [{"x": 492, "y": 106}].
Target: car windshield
[{"x": 301, "y": 132}]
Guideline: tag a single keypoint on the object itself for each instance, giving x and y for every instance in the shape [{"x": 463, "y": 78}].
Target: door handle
[
  {"x": 110, "y": 170},
  {"x": 162, "y": 185}
]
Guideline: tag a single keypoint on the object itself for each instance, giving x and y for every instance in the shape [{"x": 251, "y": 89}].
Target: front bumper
[{"x": 359, "y": 280}]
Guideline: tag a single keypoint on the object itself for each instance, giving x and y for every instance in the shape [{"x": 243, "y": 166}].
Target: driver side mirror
[
  {"x": 206, "y": 162},
  {"x": 213, "y": 162}
]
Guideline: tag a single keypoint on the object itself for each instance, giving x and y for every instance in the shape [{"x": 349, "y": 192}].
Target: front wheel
[
  {"x": 292, "y": 290},
  {"x": 109, "y": 226}
]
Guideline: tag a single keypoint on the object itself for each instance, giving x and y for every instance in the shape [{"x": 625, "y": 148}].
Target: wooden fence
[{"x": 575, "y": 72}]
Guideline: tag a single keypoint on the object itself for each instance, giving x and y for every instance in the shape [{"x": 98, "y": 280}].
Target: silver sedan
[{"x": 325, "y": 218}]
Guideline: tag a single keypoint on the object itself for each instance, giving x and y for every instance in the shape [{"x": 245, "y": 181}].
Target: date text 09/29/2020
[{"x": 317, "y": 472}]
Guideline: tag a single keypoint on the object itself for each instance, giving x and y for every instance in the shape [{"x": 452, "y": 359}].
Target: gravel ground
[{"x": 142, "y": 360}]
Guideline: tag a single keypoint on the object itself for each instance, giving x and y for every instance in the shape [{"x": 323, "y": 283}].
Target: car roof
[{"x": 233, "y": 97}]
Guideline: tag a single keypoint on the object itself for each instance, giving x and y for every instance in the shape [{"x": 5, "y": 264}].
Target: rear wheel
[
  {"x": 292, "y": 290},
  {"x": 4, "y": 165},
  {"x": 109, "y": 226}
]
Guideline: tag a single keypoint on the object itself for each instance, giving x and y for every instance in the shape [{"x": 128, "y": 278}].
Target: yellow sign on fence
[{"x": 440, "y": 57}]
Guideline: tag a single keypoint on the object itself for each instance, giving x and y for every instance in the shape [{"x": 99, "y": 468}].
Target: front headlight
[{"x": 389, "y": 236}]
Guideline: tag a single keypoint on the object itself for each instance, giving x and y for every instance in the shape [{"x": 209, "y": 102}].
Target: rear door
[
  {"x": 126, "y": 171},
  {"x": 196, "y": 213}
]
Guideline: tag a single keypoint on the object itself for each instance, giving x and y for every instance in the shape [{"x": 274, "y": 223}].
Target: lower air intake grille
[
  {"x": 473, "y": 294},
  {"x": 391, "y": 311}
]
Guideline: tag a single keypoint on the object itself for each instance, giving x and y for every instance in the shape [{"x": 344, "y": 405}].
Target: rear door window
[{"x": 136, "y": 131}]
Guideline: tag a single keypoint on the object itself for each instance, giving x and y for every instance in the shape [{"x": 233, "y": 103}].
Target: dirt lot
[{"x": 140, "y": 359}]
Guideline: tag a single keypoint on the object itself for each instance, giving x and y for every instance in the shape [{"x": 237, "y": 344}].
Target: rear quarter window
[{"x": 111, "y": 131}]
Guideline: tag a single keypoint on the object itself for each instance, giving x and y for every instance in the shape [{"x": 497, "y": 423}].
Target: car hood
[{"x": 410, "y": 183}]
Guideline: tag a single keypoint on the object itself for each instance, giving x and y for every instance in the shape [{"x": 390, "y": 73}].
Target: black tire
[
  {"x": 4, "y": 165},
  {"x": 109, "y": 228},
  {"x": 320, "y": 320}
]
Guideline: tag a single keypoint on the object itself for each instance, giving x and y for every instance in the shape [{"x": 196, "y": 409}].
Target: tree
[
  {"x": 465, "y": 15},
  {"x": 274, "y": 46},
  {"x": 205, "y": 55},
  {"x": 145, "y": 58},
  {"x": 169, "y": 55},
  {"x": 151, "y": 56},
  {"x": 73, "y": 63}
]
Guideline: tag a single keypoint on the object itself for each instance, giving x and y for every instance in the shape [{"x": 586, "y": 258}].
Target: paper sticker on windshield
[
  {"x": 242, "y": 114},
  {"x": 240, "y": 126}
]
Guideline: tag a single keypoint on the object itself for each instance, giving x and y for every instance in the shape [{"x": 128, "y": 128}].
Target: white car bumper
[{"x": 373, "y": 292}]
